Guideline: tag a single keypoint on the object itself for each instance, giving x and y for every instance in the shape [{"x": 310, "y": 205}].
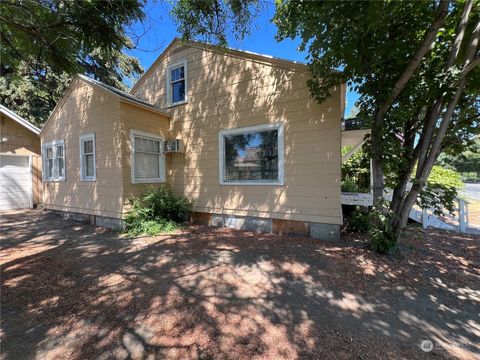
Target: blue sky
[{"x": 158, "y": 30}]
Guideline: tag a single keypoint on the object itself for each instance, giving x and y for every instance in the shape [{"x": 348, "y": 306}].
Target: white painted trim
[
  {"x": 162, "y": 177},
  {"x": 54, "y": 151},
  {"x": 19, "y": 120},
  {"x": 170, "y": 67},
  {"x": 253, "y": 129},
  {"x": 31, "y": 180},
  {"x": 82, "y": 139}
]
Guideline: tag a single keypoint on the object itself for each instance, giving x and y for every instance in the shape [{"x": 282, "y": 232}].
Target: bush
[
  {"x": 157, "y": 210},
  {"x": 348, "y": 185},
  {"x": 376, "y": 224},
  {"x": 380, "y": 233},
  {"x": 358, "y": 220}
]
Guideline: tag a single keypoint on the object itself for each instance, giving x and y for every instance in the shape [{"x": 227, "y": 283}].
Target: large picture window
[
  {"x": 177, "y": 84},
  {"x": 148, "y": 161},
  {"x": 87, "y": 157},
  {"x": 252, "y": 155},
  {"x": 53, "y": 158}
]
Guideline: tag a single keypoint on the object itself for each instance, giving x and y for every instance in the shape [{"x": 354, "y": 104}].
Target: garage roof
[{"x": 19, "y": 119}]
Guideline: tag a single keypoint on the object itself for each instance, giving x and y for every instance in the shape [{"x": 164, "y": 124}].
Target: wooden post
[
  {"x": 425, "y": 218},
  {"x": 463, "y": 215}
]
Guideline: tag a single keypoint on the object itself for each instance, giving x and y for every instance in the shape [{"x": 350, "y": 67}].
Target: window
[
  {"x": 53, "y": 157},
  {"x": 87, "y": 157},
  {"x": 177, "y": 85},
  {"x": 148, "y": 161},
  {"x": 252, "y": 155}
]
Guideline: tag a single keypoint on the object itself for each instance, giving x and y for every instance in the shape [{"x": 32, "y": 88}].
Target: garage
[{"x": 15, "y": 182}]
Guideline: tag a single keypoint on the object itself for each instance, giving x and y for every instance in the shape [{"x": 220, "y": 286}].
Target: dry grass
[
  {"x": 474, "y": 212},
  {"x": 80, "y": 292}
]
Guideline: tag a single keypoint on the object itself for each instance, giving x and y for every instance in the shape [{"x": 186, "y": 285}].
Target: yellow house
[
  {"x": 237, "y": 133},
  {"x": 20, "y": 162}
]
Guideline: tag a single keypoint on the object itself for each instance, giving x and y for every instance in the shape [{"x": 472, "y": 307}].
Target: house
[
  {"x": 237, "y": 133},
  {"x": 20, "y": 162}
]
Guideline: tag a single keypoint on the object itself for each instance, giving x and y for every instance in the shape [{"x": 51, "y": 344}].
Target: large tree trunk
[{"x": 377, "y": 126}]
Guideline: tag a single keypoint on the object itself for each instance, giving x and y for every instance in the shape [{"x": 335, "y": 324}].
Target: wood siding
[
  {"x": 135, "y": 118},
  {"x": 22, "y": 141},
  {"x": 226, "y": 92},
  {"x": 87, "y": 109}
]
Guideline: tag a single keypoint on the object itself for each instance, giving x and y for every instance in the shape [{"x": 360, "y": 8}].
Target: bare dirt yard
[{"x": 72, "y": 291}]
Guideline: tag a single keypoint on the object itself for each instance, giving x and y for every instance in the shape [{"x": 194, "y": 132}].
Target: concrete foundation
[
  {"x": 327, "y": 232},
  {"x": 108, "y": 222}
]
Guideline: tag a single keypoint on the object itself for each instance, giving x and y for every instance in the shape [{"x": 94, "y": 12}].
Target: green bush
[
  {"x": 380, "y": 233},
  {"x": 376, "y": 224},
  {"x": 157, "y": 210},
  {"x": 349, "y": 185},
  {"x": 358, "y": 220}
]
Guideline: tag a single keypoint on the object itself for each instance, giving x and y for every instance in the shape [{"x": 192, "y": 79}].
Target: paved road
[{"x": 472, "y": 191}]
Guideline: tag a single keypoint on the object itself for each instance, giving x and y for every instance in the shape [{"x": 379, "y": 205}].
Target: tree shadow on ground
[{"x": 77, "y": 291}]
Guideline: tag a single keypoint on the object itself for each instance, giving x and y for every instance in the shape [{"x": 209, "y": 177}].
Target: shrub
[
  {"x": 348, "y": 185},
  {"x": 157, "y": 210},
  {"x": 358, "y": 220},
  {"x": 380, "y": 233},
  {"x": 376, "y": 224}
]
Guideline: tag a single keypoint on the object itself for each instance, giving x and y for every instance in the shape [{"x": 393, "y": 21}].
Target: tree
[
  {"x": 46, "y": 42},
  {"x": 414, "y": 65}
]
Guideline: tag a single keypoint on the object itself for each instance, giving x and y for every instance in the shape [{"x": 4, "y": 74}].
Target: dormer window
[{"x": 177, "y": 83}]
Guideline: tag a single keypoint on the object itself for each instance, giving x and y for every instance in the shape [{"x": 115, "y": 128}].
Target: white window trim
[
  {"x": 169, "y": 87},
  {"x": 161, "y": 179},
  {"x": 53, "y": 145},
  {"x": 83, "y": 138},
  {"x": 249, "y": 129}
]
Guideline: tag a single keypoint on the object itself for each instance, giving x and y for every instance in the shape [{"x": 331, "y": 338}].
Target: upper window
[
  {"x": 252, "y": 155},
  {"x": 148, "y": 161},
  {"x": 177, "y": 85},
  {"x": 53, "y": 157},
  {"x": 87, "y": 157}
]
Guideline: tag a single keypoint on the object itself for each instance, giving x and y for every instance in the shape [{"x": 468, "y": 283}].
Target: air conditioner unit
[{"x": 173, "y": 146}]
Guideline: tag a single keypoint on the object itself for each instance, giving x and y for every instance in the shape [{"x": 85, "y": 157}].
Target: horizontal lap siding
[
  {"x": 230, "y": 92},
  {"x": 134, "y": 118},
  {"x": 87, "y": 110}
]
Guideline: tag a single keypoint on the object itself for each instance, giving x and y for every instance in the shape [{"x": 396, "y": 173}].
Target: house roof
[
  {"x": 19, "y": 120},
  {"x": 275, "y": 61},
  {"x": 122, "y": 95}
]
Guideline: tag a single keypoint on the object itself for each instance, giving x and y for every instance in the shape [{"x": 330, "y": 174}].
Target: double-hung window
[
  {"x": 148, "y": 160},
  {"x": 177, "y": 83},
  {"x": 252, "y": 155},
  {"x": 53, "y": 157},
  {"x": 87, "y": 157}
]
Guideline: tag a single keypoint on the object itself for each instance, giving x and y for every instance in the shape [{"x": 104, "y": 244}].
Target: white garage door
[{"x": 15, "y": 182}]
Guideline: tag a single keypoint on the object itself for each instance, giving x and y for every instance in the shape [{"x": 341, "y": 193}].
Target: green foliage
[
  {"x": 349, "y": 185},
  {"x": 440, "y": 191},
  {"x": 376, "y": 224},
  {"x": 214, "y": 21},
  {"x": 467, "y": 161},
  {"x": 356, "y": 171},
  {"x": 380, "y": 233},
  {"x": 45, "y": 43},
  {"x": 156, "y": 211},
  {"x": 357, "y": 222}
]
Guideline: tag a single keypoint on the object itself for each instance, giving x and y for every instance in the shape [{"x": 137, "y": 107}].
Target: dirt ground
[{"x": 72, "y": 291}]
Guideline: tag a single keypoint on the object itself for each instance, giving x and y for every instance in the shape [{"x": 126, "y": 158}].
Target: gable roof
[
  {"x": 19, "y": 119},
  {"x": 274, "y": 61},
  {"x": 121, "y": 95}
]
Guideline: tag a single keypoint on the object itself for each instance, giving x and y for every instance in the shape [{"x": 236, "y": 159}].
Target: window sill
[
  {"x": 148, "y": 181},
  {"x": 250, "y": 183},
  {"x": 88, "y": 180},
  {"x": 177, "y": 103}
]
